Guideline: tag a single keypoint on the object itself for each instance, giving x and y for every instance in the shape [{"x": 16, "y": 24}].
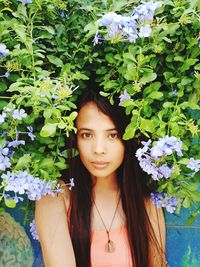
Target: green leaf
[
  {"x": 20, "y": 31},
  {"x": 61, "y": 125},
  {"x": 47, "y": 163},
  {"x": 10, "y": 203},
  {"x": 155, "y": 95},
  {"x": 168, "y": 75},
  {"x": 147, "y": 125},
  {"x": 148, "y": 77},
  {"x": 131, "y": 73},
  {"x": 152, "y": 87},
  {"x": 47, "y": 113},
  {"x": 73, "y": 116},
  {"x": 197, "y": 67},
  {"x": 179, "y": 58},
  {"x": 173, "y": 80},
  {"x": 186, "y": 202},
  {"x": 188, "y": 63},
  {"x": 186, "y": 80},
  {"x": 129, "y": 133},
  {"x": 61, "y": 165},
  {"x": 3, "y": 87},
  {"x": 48, "y": 129},
  {"x": 23, "y": 162},
  {"x": 195, "y": 196},
  {"x": 127, "y": 103},
  {"x": 110, "y": 58},
  {"x": 55, "y": 60},
  {"x": 50, "y": 29},
  {"x": 184, "y": 161}
]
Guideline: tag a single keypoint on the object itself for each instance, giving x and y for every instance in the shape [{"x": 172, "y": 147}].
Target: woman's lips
[{"x": 99, "y": 164}]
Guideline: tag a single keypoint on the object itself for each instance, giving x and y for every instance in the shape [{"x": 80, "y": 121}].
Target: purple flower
[
  {"x": 149, "y": 157},
  {"x": 3, "y": 50},
  {"x": 109, "y": 18},
  {"x": 17, "y": 198},
  {"x": 97, "y": 38},
  {"x": 15, "y": 143},
  {"x": 25, "y": 183},
  {"x": 30, "y": 133},
  {"x": 123, "y": 97},
  {"x": 150, "y": 168},
  {"x": 33, "y": 230},
  {"x": 164, "y": 200},
  {"x": 145, "y": 31},
  {"x": 4, "y": 162},
  {"x": 194, "y": 164},
  {"x": 145, "y": 11},
  {"x": 2, "y": 118},
  {"x": 6, "y": 75},
  {"x": 166, "y": 146},
  {"x": 4, "y": 151},
  {"x": 24, "y": 2},
  {"x": 19, "y": 114},
  {"x": 174, "y": 92},
  {"x": 118, "y": 25},
  {"x": 165, "y": 171},
  {"x": 141, "y": 151},
  {"x": 156, "y": 152}
]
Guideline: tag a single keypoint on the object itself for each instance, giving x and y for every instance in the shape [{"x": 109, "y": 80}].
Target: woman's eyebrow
[
  {"x": 84, "y": 129},
  {"x": 88, "y": 129}
]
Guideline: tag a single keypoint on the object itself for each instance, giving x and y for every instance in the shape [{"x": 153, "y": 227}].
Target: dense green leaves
[{"x": 52, "y": 55}]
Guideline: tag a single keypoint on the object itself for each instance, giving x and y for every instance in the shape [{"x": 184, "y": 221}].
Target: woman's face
[{"x": 101, "y": 149}]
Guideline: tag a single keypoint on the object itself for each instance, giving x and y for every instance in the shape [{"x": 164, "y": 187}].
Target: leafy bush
[{"x": 147, "y": 54}]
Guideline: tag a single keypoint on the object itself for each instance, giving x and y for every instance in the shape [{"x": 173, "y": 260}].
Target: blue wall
[{"x": 183, "y": 242}]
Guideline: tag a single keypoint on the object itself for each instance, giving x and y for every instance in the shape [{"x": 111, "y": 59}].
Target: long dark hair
[{"x": 132, "y": 185}]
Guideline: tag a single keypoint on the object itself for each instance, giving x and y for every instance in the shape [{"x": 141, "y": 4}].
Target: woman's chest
[{"x": 119, "y": 255}]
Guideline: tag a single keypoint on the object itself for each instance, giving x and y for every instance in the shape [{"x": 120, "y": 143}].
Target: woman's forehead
[{"x": 91, "y": 117}]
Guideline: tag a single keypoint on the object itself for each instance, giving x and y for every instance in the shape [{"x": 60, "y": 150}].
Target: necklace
[{"x": 109, "y": 246}]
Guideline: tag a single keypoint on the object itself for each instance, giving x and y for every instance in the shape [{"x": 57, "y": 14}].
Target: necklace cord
[{"x": 107, "y": 230}]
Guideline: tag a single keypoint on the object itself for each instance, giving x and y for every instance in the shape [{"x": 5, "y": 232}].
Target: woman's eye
[
  {"x": 113, "y": 136},
  {"x": 86, "y": 135}
]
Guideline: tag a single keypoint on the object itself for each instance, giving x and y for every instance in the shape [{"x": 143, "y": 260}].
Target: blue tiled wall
[{"x": 183, "y": 241}]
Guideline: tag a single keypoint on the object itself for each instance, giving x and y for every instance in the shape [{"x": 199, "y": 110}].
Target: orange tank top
[{"x": 121, "y": 257}]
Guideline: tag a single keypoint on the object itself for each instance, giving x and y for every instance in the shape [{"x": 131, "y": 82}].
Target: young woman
[{"x": 107, "y": 219}]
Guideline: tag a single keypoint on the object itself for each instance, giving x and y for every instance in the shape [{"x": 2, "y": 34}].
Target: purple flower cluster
[
  {"x": 194, "y": 164},
  {"x": 33, "y": 230},
  {"x": 165, "y": 201},
  {"x": 129, "y": 27},
  {"x": 145, "y": 11},
  {"x": 25, "y": 183},
  {"x": 3, "y": 50},
  {"x": 30, "y": 133},
  {"x": 149, "y": 158},
  {"x": 4, "y": 158},
  {"x": 17, "y": 114},
  {"x": 2, "y": 118},
  {"x": 167, "y": 146}
]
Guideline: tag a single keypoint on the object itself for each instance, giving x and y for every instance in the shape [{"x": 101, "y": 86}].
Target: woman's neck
[{"x": 105, "y": 184}]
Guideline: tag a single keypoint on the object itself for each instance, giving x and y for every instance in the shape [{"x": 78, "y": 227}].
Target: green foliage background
[{"x": 51, "y": 50}]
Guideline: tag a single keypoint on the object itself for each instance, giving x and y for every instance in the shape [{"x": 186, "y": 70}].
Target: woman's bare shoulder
[
  {"x": 56, "y": 200},
  {"x": 65, "y": 194},
  {"x": 52, "y": 227}
]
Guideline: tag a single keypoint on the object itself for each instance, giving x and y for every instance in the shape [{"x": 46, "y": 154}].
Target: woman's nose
[{"x": 99, "y": 146}]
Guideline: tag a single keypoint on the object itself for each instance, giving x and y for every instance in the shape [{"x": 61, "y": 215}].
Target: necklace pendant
[{"x": 110, "y": 247}]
